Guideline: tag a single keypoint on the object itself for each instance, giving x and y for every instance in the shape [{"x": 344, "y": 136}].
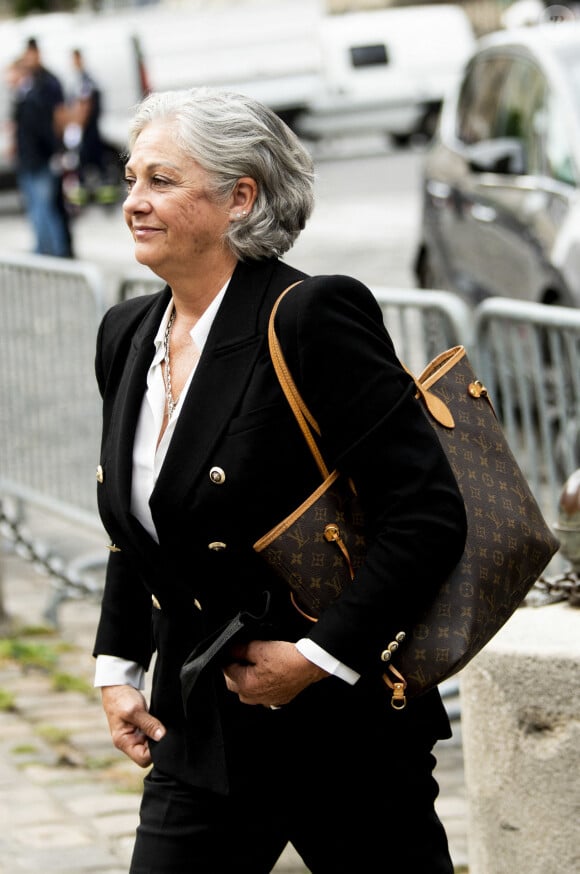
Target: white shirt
[{"x": 148, "y": 459}]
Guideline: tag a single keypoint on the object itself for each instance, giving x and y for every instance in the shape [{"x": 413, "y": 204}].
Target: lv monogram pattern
[
  {"x": 508, "y": 541},
  {"x": 315, "y": 568}
]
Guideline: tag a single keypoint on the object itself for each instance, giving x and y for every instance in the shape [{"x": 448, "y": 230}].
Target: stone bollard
[{"x": 520, "y": 705}]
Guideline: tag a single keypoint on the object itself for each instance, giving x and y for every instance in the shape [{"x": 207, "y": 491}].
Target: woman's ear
[{"x": 243, "y": 198}]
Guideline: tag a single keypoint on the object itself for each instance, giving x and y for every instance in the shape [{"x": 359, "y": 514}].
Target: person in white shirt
[{"x": 287, "y": 733}]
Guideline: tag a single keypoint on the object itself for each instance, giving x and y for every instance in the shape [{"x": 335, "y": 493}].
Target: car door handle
[{"x": 483, "y": 213}]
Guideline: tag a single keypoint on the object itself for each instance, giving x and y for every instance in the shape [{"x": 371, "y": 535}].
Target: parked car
[{"x": 501, "y": 203}]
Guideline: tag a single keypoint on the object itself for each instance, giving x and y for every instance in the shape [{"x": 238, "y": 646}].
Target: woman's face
[{"x": 169, "y": 209}]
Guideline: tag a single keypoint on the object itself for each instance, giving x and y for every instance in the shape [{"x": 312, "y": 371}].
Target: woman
[{"x": 290, "y": 737}]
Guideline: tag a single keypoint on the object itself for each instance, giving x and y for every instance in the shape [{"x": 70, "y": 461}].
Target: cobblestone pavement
[{"x": 68, "y": 799}]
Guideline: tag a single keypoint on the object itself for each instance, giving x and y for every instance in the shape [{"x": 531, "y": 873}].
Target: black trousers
[{"x": 356, "y": 815}]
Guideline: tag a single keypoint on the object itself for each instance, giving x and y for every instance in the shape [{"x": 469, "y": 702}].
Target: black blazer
[{"x": 236, "y": 418}]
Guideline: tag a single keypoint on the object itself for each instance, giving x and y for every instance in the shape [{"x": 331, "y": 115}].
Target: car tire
[
  {"x": 430, "y": 121},
  {"x": 424, "y": 271}
]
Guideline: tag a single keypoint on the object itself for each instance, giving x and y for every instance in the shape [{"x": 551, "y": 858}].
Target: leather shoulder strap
[{"x": 302, "y": 414}]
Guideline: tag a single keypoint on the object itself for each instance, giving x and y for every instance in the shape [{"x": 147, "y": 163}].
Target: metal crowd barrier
[
  {"x": 421, "y": 323},
  {"x": 424, "y": 323},
  {"x": 49, "y": 408},
  {"x": 527, "y": 354},
  {"x": 137, "y": 284},
  {"x": 529, "y": 359}
]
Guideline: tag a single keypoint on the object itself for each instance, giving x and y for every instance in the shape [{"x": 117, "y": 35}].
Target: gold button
[
  {"x": 216, "y": 545},
  {"x": 100, "y": 474},
  {"x": 217, "y": 475}
]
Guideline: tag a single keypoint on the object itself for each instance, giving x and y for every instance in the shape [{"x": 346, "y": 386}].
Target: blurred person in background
[
  {"x": 39, "y": 118},
  {"x": 83, "y": 138},
  {"x": 288, "y": 733}
]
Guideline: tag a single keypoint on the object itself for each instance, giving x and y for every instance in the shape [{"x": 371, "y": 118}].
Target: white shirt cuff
[
  {"x": 113, "y": 671},
  {"x": 324, "y": 660}
]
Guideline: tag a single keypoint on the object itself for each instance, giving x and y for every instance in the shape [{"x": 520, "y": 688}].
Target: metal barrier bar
[
  {"x": 50, "y": 310},
  {"x": 50, "y": 410},
  {"x": 421, "y": 323},
  {"x": 424, "y": 323},
  {"x": 138, "y": 284},
  {"x": 529, "y": 358}
]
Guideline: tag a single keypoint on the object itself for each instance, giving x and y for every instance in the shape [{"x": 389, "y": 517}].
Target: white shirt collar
[{"x": 200, "y": 331}]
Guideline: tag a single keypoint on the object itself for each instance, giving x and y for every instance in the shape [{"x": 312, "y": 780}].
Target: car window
[
  {"x": 559, "y": 161},
  {"x": 508, "y": 97},
  {"x": 477, "y": 107},
  {"x": 520, "y": 111},
  {"x": 531, "y": 111},
  {"x": 570, "y": 62}
]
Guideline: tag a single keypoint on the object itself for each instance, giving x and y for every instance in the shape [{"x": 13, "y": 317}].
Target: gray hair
[{"x": 231, "y": 135}]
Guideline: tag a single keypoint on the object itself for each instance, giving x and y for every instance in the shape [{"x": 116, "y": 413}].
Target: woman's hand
[
  {"x": 130, "y": 722},
  {"x": 269, "y": 672}
]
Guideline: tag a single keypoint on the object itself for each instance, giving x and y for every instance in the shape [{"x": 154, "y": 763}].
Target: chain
[
  {"x": 564, "y": 587},
  {"x": 171, "y": 402},
  {"x": 68, "y": 583}
]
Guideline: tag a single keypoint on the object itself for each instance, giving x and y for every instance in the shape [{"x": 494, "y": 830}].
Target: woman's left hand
[{"x": 269, "y": 672}]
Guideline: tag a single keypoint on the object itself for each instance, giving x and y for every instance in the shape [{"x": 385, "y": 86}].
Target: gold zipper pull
[
  {"x": 332, "y": 535},
  {"x": 477, "y": 389},
  {"x": 398, "y": 686},
  {"x": 399, "y": 699}
]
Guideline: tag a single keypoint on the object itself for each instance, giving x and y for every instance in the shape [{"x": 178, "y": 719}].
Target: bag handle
[
  {"x": 302, "y": 414},
  {"x": 308, "y": 424}
]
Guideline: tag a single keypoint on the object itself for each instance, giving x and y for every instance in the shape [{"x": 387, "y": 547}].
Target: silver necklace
[{"x": 170, "y": 400}]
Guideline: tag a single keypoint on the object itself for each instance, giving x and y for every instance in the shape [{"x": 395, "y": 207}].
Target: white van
[
  {"x": 387, "y": 70},
  {"x": 269, "y": 50},
  {"x": 111, "y": 53}
]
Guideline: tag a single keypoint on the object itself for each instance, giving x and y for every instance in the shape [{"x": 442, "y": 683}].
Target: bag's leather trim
[
  {"x": 508, "y": 540},
  {"x": 286, "y": 523},
  {"x": 302, "y": 414}
]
